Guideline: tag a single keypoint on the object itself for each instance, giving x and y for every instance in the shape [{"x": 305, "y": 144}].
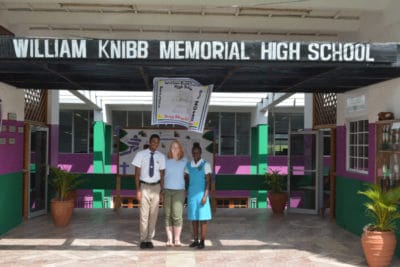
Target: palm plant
[
  {"x": 275, "y": 182},
  {"x": 382, "y": 207},
  {"x": 63, "y": 182}
]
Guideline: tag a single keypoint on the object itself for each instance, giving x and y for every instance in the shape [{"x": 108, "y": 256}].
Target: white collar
[{"x": 196, "y": 164}]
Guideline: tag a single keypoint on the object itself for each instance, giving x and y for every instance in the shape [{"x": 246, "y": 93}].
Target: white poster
[
  {"x": 181, "y": 101},
  {"x": 132, "y": 141}
]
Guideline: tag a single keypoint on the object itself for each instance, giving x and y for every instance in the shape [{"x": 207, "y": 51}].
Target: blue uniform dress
[{"x": 197, "y": 184}]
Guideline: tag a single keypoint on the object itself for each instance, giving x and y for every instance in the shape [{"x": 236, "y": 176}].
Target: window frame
[
  {"x": 364, "y": 144},
  {"x": 89, "y": 131},
  {"x": 235, "y": 134}
]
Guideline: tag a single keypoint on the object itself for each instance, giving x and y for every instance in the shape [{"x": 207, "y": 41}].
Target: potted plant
[
  {"x": 62, "y": 206},
  {"x": 378, "y": 239},
  {"x": 276, "y": 185}
]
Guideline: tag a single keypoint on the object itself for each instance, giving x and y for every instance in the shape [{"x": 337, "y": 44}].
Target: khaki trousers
[
  {"x": 149, "y": 211},
  {"x": 173, "y": 207}
]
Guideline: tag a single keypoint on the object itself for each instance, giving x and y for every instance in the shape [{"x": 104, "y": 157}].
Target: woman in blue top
[
  {"x": 199, "y": 211},
  {"x": 174, "y": 193}
]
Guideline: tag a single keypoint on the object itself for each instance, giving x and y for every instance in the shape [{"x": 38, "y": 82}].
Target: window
[
  {"x": 357, "y": 152},
  {"x": 232, "y": 132},
  {"x": 76, "y": 131},
  {"x": 327, "y": 142},
  {"x": 279, "y": 126},
  {"x": 242, "y": 133},
  {"x": 227, "y": 134},
  {"x": 65, "y": 131}
]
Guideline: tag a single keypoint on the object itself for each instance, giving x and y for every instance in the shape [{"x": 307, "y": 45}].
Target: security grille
[
  {"x": 324, "y": 109},
  {"x": 35, "y": 105}
]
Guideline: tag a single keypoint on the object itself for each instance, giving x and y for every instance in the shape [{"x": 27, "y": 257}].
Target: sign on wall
[
  {"x": 181, "y": 101},
  {"x": 133, "y": 140},
  {"x": 355, "y": 104}
]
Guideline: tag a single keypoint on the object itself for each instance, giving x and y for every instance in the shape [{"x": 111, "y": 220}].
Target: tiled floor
[{"x": 237, "y": 237}]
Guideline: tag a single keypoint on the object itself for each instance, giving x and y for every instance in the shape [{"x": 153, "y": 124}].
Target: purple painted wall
[
  {"x": 278, "y": 163},
  {"x": 53, "y": 144},
  {"x": 82, "y": 163},
  {"x": 11, "y": 155},
  {"x": 232, "y": 164},
  {"x": 341, "y": 155},
  {"x": 223, "y": 164}
]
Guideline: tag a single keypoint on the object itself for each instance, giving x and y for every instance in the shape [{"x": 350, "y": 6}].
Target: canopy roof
[{"x": 88, "y": 64}]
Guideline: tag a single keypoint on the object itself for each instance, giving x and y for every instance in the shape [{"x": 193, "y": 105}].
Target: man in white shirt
[{"x": 149, "y": 179}]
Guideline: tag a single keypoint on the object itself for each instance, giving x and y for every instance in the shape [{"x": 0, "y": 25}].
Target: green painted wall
[
  {"x": 107, "y": 148},
  {"x": 350, "y": 212},
  {"x": 10, "y": 201},
  {"x": 239, "y": 182},
  {"x": 254, "y": 150},
  {"x": 349, "y": 208},
  {"x": 105, "y": 181},
  {"x": 259, "y": 159},
  {"x": 102, "y": 163},
  {"x": 223, "y": 182},
  {"x": 102, "y": 184},
  {"x": 98, "y": 147},
  {"x": 101, "y": 147}
]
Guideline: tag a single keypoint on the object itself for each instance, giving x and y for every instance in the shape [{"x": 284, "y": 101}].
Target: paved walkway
[{"x": 237, "y": 237}]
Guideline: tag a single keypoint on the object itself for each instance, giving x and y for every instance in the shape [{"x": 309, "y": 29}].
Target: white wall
[
  {"x": 379, "y": 97},
  {"x": 308, "y": 111},
  {"x": 383, "y": 27},
  {"x": 12, "y": 101},
  {"x": 53, "y": 107}
]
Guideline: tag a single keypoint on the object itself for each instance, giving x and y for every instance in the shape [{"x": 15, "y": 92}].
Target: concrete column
[
  {"x": 308, "y": 111},
  {"x": 53, "y": 119}
]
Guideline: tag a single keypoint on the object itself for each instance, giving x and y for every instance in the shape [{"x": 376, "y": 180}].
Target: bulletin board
[{"x": 132, "y": 141}]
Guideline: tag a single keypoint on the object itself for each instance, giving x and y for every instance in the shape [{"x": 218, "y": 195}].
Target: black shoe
[
  {"x": 194, "y": 244},
  {"x": 149, "y": 245},
  {"x": 201, "y": 245},
  {"x": 143, "y": 245}
]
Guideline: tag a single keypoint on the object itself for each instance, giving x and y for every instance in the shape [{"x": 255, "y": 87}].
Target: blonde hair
[{"x": 180, "y": 153}]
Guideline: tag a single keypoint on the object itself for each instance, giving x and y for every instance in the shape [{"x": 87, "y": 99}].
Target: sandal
[
  {"x": 177, "y": 243},
  {"x": 169, "y": 243}
]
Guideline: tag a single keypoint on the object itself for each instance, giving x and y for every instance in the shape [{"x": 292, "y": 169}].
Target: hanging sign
[{"x": 181, "y": 101}]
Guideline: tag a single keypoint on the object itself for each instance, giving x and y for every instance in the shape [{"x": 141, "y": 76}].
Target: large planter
[
  {"x": 61, "y": 211},
  {"x": 378, "y": 247},
  {"x": 278, "y": 202}
]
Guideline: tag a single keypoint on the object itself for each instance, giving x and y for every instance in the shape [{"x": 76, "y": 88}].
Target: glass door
[
  {"x": 305, "y": 172},
  {"x": 38, "y": 170}
]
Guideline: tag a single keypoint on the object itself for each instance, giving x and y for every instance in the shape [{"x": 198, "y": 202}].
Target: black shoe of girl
[
  {"x": 194, "y": 244},
  {"x": 201, "y": 245}
]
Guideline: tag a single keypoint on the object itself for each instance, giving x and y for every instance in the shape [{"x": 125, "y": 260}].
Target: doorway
[
  {"x": 305, "y": 177},
  {"x": 37, "y": 170}
]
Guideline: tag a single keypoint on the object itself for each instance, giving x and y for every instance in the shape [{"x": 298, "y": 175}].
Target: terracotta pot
[
  {"x": 378, "y": 247},
  {"x": 61, "y": 211},
  {"x": 278, "y": 202}
]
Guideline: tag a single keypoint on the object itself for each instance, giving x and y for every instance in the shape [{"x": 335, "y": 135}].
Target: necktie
[{"x": 151, "y": 168}]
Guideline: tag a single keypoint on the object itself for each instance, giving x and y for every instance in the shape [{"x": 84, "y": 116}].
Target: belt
[{"x": 143, "y": 182}]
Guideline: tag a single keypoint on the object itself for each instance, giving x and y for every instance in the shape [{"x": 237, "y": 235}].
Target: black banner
[{"x": 328, "y": 52}]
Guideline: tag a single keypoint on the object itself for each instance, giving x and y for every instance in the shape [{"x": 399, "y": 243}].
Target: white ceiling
[
  {"x": 125, "y": 98},
  {"x": 182, "y": 19}
]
